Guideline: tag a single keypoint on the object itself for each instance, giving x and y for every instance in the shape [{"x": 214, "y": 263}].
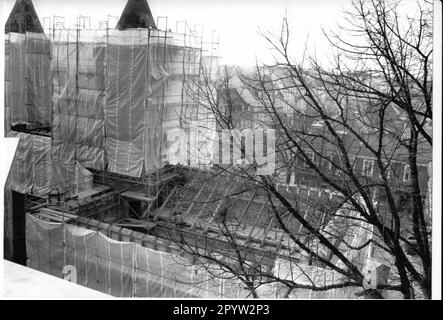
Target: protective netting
[
  {"x": 34, "y": 171},
  {"x": 8, "y": 236},
  {"x": 20, "y": 177},
  {"x": 157, "y": 77},
  {"x": 27, "y": 80},
  {"x": 78, "y": 97},
  {"x": 116, "y": 95},
  {"x": 44, "y": 246},
  {"x": 123, "y": 269},
  {"x": 126, "y": 84},
  {"x": 147, "y": 75}
]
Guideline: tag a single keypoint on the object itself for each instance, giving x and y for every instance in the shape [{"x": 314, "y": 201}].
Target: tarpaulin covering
[
  {"x": 16, "y": 90},
  {"x": 38, "y": 78},
  {"x": 34, "y": 171},
  {"x": 42, "y": 180},
  {"x": 83, "y": 178},
  {"x": 20, "y": 177},
  {"x": 8, "y": 235},
  {"x": 146, "y": 96},
  {"x": 6, "y": 120},
  {"x": 122, "y": 269},
  {"x": 144, "y": 86},
  {"x": 126, "y": 84},
  {"x": 155, "y": 102},
  {"x": 78, "y": 98},
  {"x": 153, "y": 132},
  {"x": 70, "y": 177},
  {"x": 44, "y": 246},
  {"x": 28, "y": 79}
]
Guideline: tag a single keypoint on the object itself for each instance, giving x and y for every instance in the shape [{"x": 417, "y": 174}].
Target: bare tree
[{"x": 352, "y": 146}]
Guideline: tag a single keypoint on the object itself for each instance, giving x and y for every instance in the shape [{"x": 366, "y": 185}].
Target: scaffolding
[
  {"x": 95, "y": 154},
  {"x": 93, "y": 166},
  {"x": 103, "y": 117}
]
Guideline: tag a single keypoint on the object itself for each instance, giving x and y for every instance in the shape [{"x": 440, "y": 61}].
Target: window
[
  {"x": 368, "y": 168},
  {"x": 407, "y": 174},
  {"x": 292, "y": 179},
  {"x": 310, "y": 155},
  {"x": 327, "y": 161},
  {"x": 354, "y": 161}
]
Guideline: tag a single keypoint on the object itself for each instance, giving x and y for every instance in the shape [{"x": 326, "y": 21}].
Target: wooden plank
[
  {"x": 94, "y": 191},
  {"x": 58, "y": 213},
  {"x": 165, "y": 214},
  {"x": 131, "y": 220},
  {"x": 52, "y": 218},
  {"x": 38, "y": 206},
  {"x": 168, "y": 177},
  {"x": 145, "y": 225},
  {"x": 44, "y": 215},
  {"x": 137, "y": 196}
]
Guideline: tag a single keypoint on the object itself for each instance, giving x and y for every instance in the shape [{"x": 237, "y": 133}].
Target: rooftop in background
[{"x": 23, "y": 18}]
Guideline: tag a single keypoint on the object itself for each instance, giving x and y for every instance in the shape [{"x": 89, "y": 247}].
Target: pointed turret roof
[
  {"x": 23, "y": 18},
  {"x": 136, "y": 14}
]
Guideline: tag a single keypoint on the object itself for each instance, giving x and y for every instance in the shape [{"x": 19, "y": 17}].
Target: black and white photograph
[{"x": 208, "y": 150}]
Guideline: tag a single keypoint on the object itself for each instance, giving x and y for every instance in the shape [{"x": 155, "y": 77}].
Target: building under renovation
[
  {"x": 92, "y": 109},
  {"x": 94, "y": 194}
]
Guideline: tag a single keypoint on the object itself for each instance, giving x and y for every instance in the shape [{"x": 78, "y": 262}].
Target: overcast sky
[{"x": 237, "y": 21}]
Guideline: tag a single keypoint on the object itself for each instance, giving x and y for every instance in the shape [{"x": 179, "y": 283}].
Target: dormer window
[
  {"x": 354, "y": 161},
  {"x": 368, "y": 168},
  {"x": 407, "y": 174},
  {"x": 329, "y": 158},
  {"x": 311, "y": 156}
]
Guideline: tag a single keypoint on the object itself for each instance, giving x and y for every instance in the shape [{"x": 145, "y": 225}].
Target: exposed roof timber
[
  {"x": 136, "y": 14},
  {"x": 245, "y": 210},
  {"x": 203, "y": 187},
  {"x": 204, "y": 205},
  {"x": 256, "y": 220},
  {"x": 23, "y": 18}
]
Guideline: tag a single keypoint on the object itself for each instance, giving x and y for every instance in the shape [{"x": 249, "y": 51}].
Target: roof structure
[
  {"x": 23, "y": 18},
  {"x": 136, "y": 14}
]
